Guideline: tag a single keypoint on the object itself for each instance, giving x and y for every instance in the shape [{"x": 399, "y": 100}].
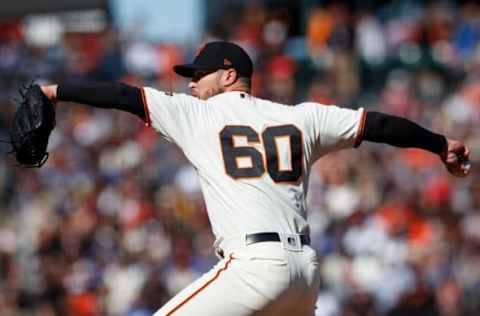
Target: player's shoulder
[
  {"x": 321, "y": 109},
  {"x": 313, "y": 105},
  {"x": 299, "y": 107},
  {"x": 172, "y": 96}
]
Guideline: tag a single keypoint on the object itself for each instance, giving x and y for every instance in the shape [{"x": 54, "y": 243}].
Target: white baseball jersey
[{"x": 253, "y": 156}]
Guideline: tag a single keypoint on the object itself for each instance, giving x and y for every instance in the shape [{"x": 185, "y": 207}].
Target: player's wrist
[{"x": 444, "y": 153}]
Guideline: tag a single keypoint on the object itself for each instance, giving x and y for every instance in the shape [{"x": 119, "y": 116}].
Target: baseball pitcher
[{"x": 253, "y": 158}]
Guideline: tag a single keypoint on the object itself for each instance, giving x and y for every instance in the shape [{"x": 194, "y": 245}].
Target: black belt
[{"x": 261, "y": 237}]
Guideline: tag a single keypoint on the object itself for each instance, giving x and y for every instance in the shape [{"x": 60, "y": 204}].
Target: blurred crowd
[{"x": 114, "y": 223}]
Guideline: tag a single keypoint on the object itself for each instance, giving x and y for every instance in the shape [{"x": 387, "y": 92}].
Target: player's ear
[{"x": 229, "y": 77}]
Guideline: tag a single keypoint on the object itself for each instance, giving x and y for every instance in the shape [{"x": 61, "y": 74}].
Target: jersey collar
[{"x": 241, "y": 94}]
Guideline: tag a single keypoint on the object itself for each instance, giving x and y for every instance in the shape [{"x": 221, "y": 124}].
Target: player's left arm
[
  {"x": 400, "y": 132},
  {"x": 173, "y": 116},
  {"x": 107, "y": 95}
]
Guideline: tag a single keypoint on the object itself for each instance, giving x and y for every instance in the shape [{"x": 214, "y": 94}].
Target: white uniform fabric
[
  {"x": 262, "y": 280},
  {"x": 253, "y": 158}
]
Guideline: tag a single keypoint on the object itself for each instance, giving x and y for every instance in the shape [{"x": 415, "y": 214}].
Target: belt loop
[
  {"x": 216, "y": 248},
  {"x": 291, "y": 242}
]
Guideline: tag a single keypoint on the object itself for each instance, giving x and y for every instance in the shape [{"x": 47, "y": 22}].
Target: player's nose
[{"x": 192, "y": 84}]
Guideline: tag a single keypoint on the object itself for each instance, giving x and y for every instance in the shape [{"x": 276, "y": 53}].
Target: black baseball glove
[{"x": 33, "y": 123}]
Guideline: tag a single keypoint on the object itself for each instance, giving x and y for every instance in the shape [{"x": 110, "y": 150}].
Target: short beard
[{"x": 211, "y": 92}]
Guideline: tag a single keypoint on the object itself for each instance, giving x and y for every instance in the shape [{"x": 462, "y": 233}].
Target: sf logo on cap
[{"x": 227, "y": 62}]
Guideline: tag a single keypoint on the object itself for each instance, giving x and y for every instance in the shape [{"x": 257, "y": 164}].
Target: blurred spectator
[{"x": 114, "y": 223}]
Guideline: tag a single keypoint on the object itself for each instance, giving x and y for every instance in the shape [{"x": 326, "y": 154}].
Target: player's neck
[{"x": 238, "y": 86}]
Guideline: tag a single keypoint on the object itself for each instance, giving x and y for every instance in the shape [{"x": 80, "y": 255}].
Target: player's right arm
[
  {"x": 335, "y": 128},
  {"x": 400, "y": 132}
]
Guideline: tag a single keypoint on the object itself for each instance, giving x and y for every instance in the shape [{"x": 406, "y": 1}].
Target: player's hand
[
  {"x": 50, "y": 91},
  {"x": 456, "y": 158}
]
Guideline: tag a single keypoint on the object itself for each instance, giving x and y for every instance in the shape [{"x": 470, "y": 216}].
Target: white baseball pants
[{"x": 259, "y": 279}]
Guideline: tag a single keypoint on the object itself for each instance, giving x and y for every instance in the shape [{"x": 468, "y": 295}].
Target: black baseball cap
[{"x": 218, "y": 55}]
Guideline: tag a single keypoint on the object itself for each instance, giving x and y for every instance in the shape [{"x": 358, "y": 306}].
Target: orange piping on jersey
[
  {"x": 361, "y": 128},
  {"x": 203, "y": 287},
  {"x": 148, "y": 123}
]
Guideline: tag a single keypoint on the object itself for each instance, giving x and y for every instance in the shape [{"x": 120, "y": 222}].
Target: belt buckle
[{"x": 291, "y": 242}]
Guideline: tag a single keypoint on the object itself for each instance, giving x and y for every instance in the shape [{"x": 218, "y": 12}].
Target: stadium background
[{"x": 114, "y": 223}]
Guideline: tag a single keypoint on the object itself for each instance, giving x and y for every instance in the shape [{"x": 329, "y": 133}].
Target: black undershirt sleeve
[
  {"x": 400, "y": 132},
  {"x": 104, "y": 95}
]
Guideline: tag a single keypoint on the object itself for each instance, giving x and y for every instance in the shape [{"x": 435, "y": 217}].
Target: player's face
[{"x": 206, "y": 84}]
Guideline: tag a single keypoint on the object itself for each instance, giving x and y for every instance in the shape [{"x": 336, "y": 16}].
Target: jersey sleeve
[
  {"x": 334, "y": 128},
  {"x": 172, "y": 115}
]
